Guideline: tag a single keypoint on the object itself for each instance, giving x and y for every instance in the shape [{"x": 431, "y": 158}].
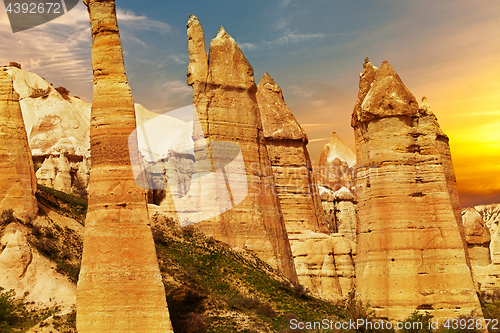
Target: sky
[{"x": 445, "y": 50}]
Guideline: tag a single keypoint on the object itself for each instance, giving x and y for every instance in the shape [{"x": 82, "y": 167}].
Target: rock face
[
  {"x": 337, "y": 172},
  {"x": 411, "y": 251},
  {"x": 324, "y": 263},
  {"x": 291, "y": 166},
  {"x": 345, "y": 213},
  {"x": 337, "y": 165},
  {"x": 28, "y": 273},
  {"x": 478, "y": 238},
  {"x": 286, "y": 141},
  {"x": 17, "y": 176},
  {"x": 120, "y": 287},
  {"x": 57, "y": 125},
  {"x": 340, "y": 211},
  {"x": 491, "y": 216},
  {"x": 224, "y": 95}
]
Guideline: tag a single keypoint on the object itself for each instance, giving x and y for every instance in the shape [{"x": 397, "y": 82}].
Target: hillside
[{"x": 210, "y": 287}]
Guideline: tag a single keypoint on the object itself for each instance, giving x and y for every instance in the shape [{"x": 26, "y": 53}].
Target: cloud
[
  {"x": 293, "y": 38},
  {"x": 285, "y": 3},
  {"x": 247, "y": 46},
  {"x": 130, "y": 23},
  {"x": 60, "y": 50},
  {"x": 322, "y": 139}
]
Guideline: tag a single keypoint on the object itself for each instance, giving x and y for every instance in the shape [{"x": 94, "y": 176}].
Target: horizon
[{"x": 445, "y": 51}]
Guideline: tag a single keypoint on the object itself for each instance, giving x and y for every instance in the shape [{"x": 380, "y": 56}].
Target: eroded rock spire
[
  {"x": 312, "y": 247},
  {"x": 120, "y": 287},
  {"x": 411, "y": 251},
  {"x": 228, "y": 113},
  {"x": 17, "y": 176}
]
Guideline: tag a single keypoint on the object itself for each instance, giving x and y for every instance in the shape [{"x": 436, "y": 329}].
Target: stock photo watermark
[
  {"x": 206, "y": 178},
  {"x": 28, "y": 14}
]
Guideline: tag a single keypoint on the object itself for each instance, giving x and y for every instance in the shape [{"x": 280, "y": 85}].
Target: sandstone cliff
[
  {"x": 312, "y": 247},
  {"x": 58, "y": 128},
  {"x": 286, "y": 144},
  {"x": 229, "y": 126},
  {"x": 411, "y": 250},
  {"x": 120, "y": 287},
  {"x": 17, "y": 177},
  {"x": 478, "y": 239}
]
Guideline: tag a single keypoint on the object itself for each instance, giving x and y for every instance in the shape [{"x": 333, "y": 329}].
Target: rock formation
[
  {"x": 57, "y": 124},
  {"x": 340, "y": 211},
  {"x": 411, "y": 250},
  {"x": 326, "y": 196},
  {"x": 17, "y": 176},
  {"x": 120, "y": 287},
  {"x": 312, "y": 247},
  {"x": 337, "y": 165},
  {"x": 30, "y": 274},
  {"x": 337, "y": 172},
  {"x": 286, "y": 144},
  {"x": 345, "y": 213},
  {"x": 478, "y": 238},
  {"x": 224, "y": 95},
  {"x": 491, "y": 216}
]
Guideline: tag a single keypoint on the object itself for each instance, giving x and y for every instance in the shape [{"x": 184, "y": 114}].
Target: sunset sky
[{"x": 446, "y": 50}]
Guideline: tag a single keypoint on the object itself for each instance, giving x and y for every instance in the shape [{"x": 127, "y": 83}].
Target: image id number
[{"x": 34, "y": 8}]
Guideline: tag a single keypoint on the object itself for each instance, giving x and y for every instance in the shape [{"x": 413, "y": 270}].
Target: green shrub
[
  {"x": 40, "y": 92},
  {"x": 12, "y": 311},
  {"x": 7, "y": 216},
  {"x": 417, "y": 317}
]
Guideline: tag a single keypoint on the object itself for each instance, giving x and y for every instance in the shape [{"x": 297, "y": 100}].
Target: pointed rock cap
[
  {"x": 343, "y": 194},
  {"x": 387, "y": 97},
  {"x": 278, "y": 122},
  {"x": 336, "y": 148},
  {"x": 365, "y": 82},
  {"x": 197, "y": 70},
  {"x": 228, "y": 67}
]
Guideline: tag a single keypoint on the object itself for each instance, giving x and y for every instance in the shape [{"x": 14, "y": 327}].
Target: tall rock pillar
[
  {"x": 120, "y": 287},
  {"x": 224, "y": 94},
  {"x": 17, "y": 176},
  {"x": 411, "y": 252},
  {"x": 286, "y": 144},
  {"x": 312, "y": 246}
]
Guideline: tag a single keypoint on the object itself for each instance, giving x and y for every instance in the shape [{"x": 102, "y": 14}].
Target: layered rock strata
[
  {"x": 17, "y": 176},
  {"x": 345, "y": 213},
  {"x": 298, "y": 193},
  {"x": 286, "y": 144},
  {"x": 324, "y": 263},
  {"x": 411, "y": 252},
  {"x": 478, "y": 239},
  {"x": 57, "y": 124},
  {"x": 337, "y": 172},
  {"x": 340, "y": 211},
  {"x": 120, "y": 287},
  {"x": 229, "y": 126}
]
